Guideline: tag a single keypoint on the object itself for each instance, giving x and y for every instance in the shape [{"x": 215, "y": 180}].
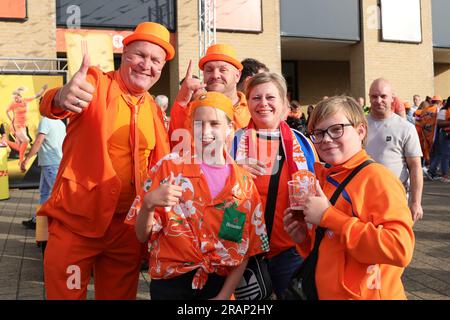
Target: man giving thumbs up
[{"x": 115, "y": 132}]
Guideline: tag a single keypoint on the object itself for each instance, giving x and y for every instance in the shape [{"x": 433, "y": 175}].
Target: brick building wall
[
  {"x": 409, "y": 67},
  {"x": 442, "y": 79},
  {"x": 34, "y": 38},
  {"x": 263, "y": 46}
]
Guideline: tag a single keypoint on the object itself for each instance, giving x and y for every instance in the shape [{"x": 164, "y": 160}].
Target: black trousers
[{"x": 180, "y": 288}]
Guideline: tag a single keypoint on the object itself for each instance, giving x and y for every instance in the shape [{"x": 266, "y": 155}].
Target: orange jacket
[
  {"x": 86, "y": 190},
  {"x": 369, "y": 240}
]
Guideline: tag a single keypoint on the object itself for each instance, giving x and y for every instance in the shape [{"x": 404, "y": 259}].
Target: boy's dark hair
[{"x": 251, "y": 67}]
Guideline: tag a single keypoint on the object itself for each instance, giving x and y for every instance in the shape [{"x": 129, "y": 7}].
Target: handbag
[
  {"x": 303, "y": 283},
  {"x": 256, "y": 283}
]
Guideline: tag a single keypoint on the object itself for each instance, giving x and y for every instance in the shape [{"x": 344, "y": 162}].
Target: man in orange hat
[
  {"x": 115, "y": 132},
  {"x": 221, "y": 73}
]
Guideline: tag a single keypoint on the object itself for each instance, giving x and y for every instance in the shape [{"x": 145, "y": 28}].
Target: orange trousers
[{"x": 70, "y": 259}]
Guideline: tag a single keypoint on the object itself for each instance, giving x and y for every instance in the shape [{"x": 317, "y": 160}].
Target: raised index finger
[{"x": 189, "y": 70}]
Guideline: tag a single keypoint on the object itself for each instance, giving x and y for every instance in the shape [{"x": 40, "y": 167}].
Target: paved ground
[{"x": 427, "y": 277}]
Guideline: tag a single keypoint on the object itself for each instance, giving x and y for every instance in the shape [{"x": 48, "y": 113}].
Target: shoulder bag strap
[
  {"x": 272, "y": 194},
  {"x": 320, "y": 231}
]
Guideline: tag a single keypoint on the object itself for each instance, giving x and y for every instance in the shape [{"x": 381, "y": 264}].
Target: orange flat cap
[
  {"x": 154, "y": 33},
  {"x": 436, "y": 98},
  {"x": 407, "y": 105},
  {"x": 214, "y": 100},
  {"x": 220, "y": 52}
]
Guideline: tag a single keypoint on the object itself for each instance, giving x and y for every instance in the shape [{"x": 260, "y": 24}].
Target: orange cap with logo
[
  {"x": 220, "y": 52},
  {"x": 214, "y": 100},
  {"x": 154, "y": 33}
]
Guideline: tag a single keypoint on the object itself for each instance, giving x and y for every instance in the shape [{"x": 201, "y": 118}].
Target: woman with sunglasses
[{"x": 368, "y": 240}]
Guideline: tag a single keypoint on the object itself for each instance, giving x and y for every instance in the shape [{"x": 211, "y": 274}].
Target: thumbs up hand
[
  {"x": 77, "y": 93},
  {"x": 190, "y": 86},
  {"x": 166, "y": 195},
  {"x": 315, "y": 206}
]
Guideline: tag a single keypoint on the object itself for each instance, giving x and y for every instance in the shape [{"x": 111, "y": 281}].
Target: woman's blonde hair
[
  {"x": 330, "y": 106},
  {"x": 266, "y": 77}
]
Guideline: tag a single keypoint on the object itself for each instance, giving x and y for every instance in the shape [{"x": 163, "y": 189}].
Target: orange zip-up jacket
[
  {"x": 369, "y": 240},
  {"x": 180, "y": 117},
  {"x": 87, "y": 188}
]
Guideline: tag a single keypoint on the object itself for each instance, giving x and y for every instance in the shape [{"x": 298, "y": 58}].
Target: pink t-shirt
[{"x": 216, "y": 177}]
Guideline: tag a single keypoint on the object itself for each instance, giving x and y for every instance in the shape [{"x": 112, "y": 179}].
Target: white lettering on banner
[
  {"x": 74, "y": 279},
  {"x": 74, "y": 19},
  {"x": 117, "y": 41}
]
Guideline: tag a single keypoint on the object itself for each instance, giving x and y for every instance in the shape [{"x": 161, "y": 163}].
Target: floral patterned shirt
[{"x": 201, "y": 233}]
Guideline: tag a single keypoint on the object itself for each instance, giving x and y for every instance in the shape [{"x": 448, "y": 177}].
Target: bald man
[{"x": 393, "y": 142}]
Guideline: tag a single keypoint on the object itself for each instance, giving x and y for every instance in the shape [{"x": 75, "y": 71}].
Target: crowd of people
[{"x": 201, "y": 190}]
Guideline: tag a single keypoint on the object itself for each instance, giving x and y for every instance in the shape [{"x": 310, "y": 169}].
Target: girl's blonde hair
[{"x": 330, "y": 106}]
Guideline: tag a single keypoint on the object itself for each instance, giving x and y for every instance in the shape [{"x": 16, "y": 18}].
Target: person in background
[
  {"x": 442, "y": 156},
  {"x": 362, "y": 103},
  {"x": 398, "y": 107},
  {"x": 221, "y": 73},
  {"x": 296, "y": 118},
  {"x": 250, "y": 68},
  {"x": 393, "y": 142},
  {"x": 48, "y": 146},
  {"x": 368, "y": 239},
  {"x": 163, "y": 102}
]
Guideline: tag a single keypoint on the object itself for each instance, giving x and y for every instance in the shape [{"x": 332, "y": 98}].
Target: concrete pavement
[{"x": 21, "y": 276}]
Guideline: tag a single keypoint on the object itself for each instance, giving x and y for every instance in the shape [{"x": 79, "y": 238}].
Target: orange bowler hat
[
  {"x": 220, "y": 52},
  {"x": 154, "y": 33},
  {"x": 436, "y": 98},
  {"x": 214, "y": 100}
]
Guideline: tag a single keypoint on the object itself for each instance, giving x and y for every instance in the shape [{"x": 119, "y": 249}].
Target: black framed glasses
[{"x": 334, "y": 132}]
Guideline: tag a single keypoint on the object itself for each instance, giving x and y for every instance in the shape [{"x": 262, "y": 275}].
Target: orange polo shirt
[
  {"x": 189, "y": 237},
  {"x": 369, "y": 239}
]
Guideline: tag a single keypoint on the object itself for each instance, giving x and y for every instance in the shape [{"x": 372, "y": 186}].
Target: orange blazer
[{"x": 86, "y": 190}]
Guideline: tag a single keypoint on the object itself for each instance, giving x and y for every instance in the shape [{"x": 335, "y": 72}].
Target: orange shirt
[
  {"x": 189, "y": 236},
  {"x": 369, "y": 240},
  {"x": 265, "y": 149},
  {"x": 120, "y": 148},
  {"x": 279, "y": 239}
]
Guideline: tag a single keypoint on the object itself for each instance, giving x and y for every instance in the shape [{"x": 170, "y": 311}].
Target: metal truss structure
[
  {"x": 33, "y": 66},
  {"x": 206, "y": 25}
]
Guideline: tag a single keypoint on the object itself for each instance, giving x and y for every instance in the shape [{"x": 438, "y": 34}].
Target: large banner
[
  {"x": 98, "y": 46},
  {"x": 19, "y": 117}
]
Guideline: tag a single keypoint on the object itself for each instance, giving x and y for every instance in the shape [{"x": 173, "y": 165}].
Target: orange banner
[{"x": 13, "y": 9}]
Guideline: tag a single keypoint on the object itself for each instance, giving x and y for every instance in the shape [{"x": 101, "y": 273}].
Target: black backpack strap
[
  {"x": 272, "y": 194},
  {"x": 320, "y": 231}
]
